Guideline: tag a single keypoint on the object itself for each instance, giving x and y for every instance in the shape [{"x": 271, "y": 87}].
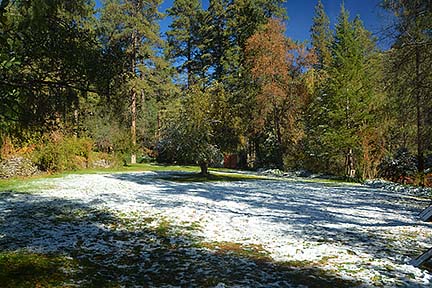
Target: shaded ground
[{"x": 143, "y": 230}]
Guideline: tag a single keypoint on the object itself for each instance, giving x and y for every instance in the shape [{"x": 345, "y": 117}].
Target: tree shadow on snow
[
  {"x": 106, "y": 250},
  {"x": 295, "y": 202},
  {"x": 353, "y": 215}
]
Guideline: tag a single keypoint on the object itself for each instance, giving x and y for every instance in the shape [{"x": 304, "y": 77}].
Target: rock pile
[
  {"x": 17, "y": 166},
  {"x": 102, "y": 163},
  {"x": 398, "y": 187}
]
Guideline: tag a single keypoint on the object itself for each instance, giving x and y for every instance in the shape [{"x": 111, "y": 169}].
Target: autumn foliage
[{"x": 276, "y": 64}]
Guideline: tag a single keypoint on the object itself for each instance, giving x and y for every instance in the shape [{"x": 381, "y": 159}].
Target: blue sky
[{"x": 300, "y": 13}]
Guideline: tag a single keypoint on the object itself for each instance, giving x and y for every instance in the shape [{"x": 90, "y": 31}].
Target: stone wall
[{"x": 17, "y": 166}]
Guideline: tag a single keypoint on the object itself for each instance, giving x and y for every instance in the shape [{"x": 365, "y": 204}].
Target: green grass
[
  {"x": 23, "y": 185},
  {"x": 163, "y": 228},
  {"x": 25, "y": 269},
  {"x": 296, "y": 271},
  {"x": 28, "y": 184},
  {"x": 136, "y": 168},
  {"x": 11, "y": 184},
  {"x": 251, "y": 251},
  {"x": 324, "y": 181}
]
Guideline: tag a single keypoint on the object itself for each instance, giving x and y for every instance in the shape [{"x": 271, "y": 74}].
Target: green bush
[
  {"x": 403, "y": 164},
  {"x": 59, "y": 153}
]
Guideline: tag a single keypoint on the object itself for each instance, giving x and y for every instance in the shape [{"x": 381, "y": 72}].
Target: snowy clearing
[{"x": 316, "y": 233}]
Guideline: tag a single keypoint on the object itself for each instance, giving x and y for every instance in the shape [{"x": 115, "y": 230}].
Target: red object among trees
[{"x": 231, "y": 161}]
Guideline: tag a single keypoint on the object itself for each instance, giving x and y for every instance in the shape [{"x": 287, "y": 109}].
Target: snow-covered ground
[{"x": 363, "y": 233}]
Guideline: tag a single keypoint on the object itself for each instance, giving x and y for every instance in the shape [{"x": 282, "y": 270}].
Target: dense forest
[{"x": 81, "y": 86}]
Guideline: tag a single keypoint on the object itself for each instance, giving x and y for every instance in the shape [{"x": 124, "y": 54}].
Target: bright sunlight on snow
[{"x": 354, "y": 232}]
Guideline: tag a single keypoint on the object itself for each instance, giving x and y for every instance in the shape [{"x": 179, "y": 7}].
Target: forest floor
[{"x": 168, "y": 229}]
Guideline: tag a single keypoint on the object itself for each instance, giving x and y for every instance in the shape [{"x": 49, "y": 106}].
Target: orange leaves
[
  {"x": 269, "y": 62},
  {"x": 267, "y": 50},
  {"x": 277, "y": 66}
]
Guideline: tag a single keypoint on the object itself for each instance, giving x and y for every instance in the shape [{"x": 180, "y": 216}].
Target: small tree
[{"x": 187, "y": 133}]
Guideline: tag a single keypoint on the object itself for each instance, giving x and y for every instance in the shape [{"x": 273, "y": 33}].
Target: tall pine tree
[
  {"x": 184, "y": 37},
  {"x": 410, "y": 74},
  {"x": 321, "y": 41},
  {"x": 130, "y": 27},
  {"x": 321, "y": 37},
  {"x": 348, "y": 99}
]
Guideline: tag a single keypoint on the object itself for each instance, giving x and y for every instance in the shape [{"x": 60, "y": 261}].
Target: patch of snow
[{"x": 365, "y": 232}]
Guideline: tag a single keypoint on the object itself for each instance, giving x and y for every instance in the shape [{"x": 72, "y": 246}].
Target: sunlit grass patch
[
  {"x": 163, "y": 228},
  {"x": 25, "y": 269},
  {"x": 254, "y": 252},
  {"x": 179, "y": 174},
  {"x": 139, "y": 167},
  {"x": 326, "y": 259},
  {"x": 329, "y": 182},
  {"x": 189, "y": 173},
  {"x": 11, "y": 185},
  {"x": 24, "y": 185},
  {"x": 191, "y": 226}
]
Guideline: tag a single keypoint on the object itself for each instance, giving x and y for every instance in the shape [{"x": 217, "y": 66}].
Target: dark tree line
[{"x": 222, "y": 80}]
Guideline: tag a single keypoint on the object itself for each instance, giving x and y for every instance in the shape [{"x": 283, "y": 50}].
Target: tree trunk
[
  {"x": 350, "y": 171},
  {"x": 204, "y": 168},
  {"x": 188, "y": 65},
  {"x": 279, "y": 156},
  {"x": 420, "y": 158},
  {"x": 133, "y": 126},
  {"x": 76, "y": 125},
  {"x": 134, "y": 100},
  {"x": 157, "y": 133}
]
